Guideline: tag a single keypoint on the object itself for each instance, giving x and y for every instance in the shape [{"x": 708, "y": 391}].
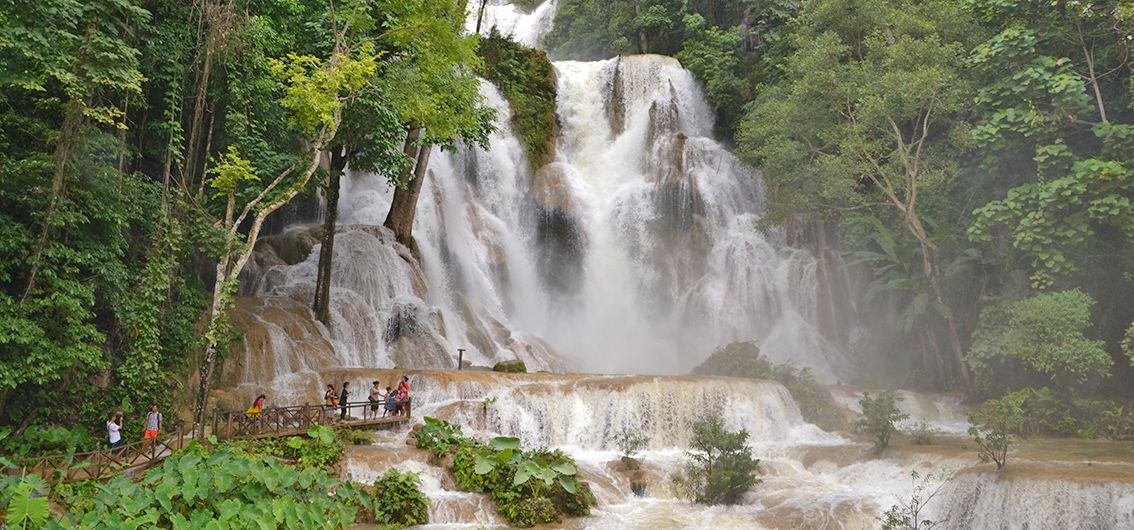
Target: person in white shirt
[{"x": 114, "y": 429}]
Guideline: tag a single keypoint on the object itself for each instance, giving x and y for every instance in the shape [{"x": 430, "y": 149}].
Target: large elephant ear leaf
[
  {"x": 25, "y": 510},
  {"x": 568, "y": 484},
  {"x": 501, "y": 443},
  {"x": 483, "y": 466},
  {"x": 564, "y": 468},
  {"x": 525, "y": 472}
]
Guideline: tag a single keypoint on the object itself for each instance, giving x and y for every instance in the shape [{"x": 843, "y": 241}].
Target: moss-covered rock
[
  {"x": 527, "y": 80},
  {"x": 743, "y": 359},
  {"x": 512, "y": 367}
]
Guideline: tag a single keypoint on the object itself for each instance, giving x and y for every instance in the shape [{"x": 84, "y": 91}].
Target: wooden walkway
[
  {"x": 288, "y": 421},
  {"x": 235, "y": 425}
]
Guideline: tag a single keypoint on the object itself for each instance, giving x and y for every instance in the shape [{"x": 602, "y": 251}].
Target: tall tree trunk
[
  {"x": 322, "y": 303},
  {"x": 69, "y": 136},
  {"x": 643, "y": 42},
  {"x": 1094, "y": 78},
  {"x": 931, "y": 272},
  {"x": 402, "y": 209},
  {"x": 480, "y": 15}
]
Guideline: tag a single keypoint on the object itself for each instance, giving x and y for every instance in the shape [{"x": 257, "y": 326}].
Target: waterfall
[
  {"x": 1030, "y": 495},
  {"x": 526, "y": 27},
  {"x": 639, "y": 249}
]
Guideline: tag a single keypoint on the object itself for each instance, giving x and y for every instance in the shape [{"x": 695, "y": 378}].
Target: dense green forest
[
  {"x": 145, "y": 145},
  {"x": 973, "y": 157}
]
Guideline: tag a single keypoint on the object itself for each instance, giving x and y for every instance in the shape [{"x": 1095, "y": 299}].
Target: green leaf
[
  {"x": 483, "y": 466},
  {"x": 26, "y": 510},
  {"x": 568, "y": 484},
  {"x": 564, "y": 468},
  {"x": 501, "y": 443}
]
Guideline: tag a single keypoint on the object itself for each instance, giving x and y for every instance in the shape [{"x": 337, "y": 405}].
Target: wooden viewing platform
[
  {"x": 288, "y": 421},
  {"x": 104, "y": 463}
]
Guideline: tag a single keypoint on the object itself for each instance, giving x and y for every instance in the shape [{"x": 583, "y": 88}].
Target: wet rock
[{"x": 561, "y": 241}]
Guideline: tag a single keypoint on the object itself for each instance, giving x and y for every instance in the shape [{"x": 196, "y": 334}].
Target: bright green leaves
[
  {"x": 993, "y": 424},
  {"x": 503, "y": 443},
  {"x": 431, "y": 83},
  {"x": 228, "y": 172},
  {"x": 398, "y": 499},
  {"x": 315, "y": 89},
  {"x": 720, "y": 468},
  {"x": 1045, "y": 219},
  {"x": 227, "y": 489},
  {"x": 27, "y": 506},
  {"x": 1044, "y": 335}
]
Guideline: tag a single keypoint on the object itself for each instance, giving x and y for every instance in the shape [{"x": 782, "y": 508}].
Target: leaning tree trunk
[
  {"x": 228, "y": 272},
  {"x": 69, "y": 136},
  {"x": 927, "y": 257},
  {"x": 322, "y": 303},
  {"x": 404, "y": 206}
]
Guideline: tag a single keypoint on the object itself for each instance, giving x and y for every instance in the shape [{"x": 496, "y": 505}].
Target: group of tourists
[
  {"x": 115, "y": 440},
  {"x": 393, "y": 402}
]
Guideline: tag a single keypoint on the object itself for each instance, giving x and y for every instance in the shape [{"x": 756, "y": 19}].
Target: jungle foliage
[
  {"x": 143, "y": 149},
  {"x": 529, "y": 487}
]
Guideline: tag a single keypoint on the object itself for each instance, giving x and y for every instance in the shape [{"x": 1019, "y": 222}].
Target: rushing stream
[{"x": 636, "y": 251}]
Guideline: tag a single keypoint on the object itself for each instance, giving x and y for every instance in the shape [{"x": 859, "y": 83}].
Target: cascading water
[{"x": 637, "y": 250}]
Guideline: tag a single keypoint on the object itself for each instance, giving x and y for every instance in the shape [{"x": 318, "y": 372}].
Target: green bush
[
  {"x": 922, "y": 434},
  {"x": 879, "y": 414},
  {"x": 743, "y": 359},
  {"x": 511, "y": 367},
  {"x": 398, "y": 499},
  {"x": 225, "y": 489},
  {"x": 993, "y": 424},
  {"x": 439, "y": 436},
  {"x": 1036, "y": 341},
  {"x": 720, "y": 467},
  {"x": 532, "y": 511},
  {"x": 52, "y": 440},
  {"x": 355, "y": 437}
]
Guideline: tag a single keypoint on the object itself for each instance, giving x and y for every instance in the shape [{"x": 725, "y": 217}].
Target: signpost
[{"x": 460, "y": 358}]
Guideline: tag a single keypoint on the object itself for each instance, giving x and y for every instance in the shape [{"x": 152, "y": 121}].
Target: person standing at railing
[
  {"x": 391, "y": 402},
  {"x": 343, "y": 399},
  {"x": 256, "y": 410},
  {"x": 330, "y": 400},
  {"x": 375, "y": 399},
  {"x": 402, "y": 396},
  {"x": 153, "y": 424}
]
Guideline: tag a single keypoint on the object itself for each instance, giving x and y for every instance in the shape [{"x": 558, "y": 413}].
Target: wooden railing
[
  {"x": 104, "y": 462},
  {"x": 280, "y": 421}
]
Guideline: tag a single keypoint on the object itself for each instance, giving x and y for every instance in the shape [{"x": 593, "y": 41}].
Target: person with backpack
[
  {"x": 256, "y": 410},
  {"x": 375, "y": 398},
  {"x": 330, "y": 401}
]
